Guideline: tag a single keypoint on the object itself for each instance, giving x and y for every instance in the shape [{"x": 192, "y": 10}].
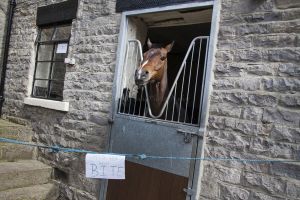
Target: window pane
[
  {"x": 46, "y": 34},
  {"x": 62, "y": 33},
  {"x": 60, "y": 52},
  {"x": 40, "y": 88},
  {"x": 45, "y": 52},
  {"x": 42, "y": 70},
  {"x": 58, "y": 71},
  {"x": 56, "y": 90}
]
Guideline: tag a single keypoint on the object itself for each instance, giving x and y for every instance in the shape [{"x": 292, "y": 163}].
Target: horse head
[{"x": 154, "y": 64}]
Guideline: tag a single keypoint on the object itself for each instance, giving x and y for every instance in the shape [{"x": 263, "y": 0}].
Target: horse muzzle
[{"x": 141, "y": 77}]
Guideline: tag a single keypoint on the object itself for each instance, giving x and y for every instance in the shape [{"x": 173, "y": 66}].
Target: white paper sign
[
  {"x": 105, "y": 166},
  {"x": 62, "y": 48}
]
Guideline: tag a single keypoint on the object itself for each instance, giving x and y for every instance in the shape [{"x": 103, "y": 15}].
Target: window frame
[{"x": 53, "y": 43}]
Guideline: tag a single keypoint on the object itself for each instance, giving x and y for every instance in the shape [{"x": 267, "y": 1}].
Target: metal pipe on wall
[{"x": 11, "y": 11}]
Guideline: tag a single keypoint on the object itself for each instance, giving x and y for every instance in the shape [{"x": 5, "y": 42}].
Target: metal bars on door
[{"x": 183, "y": 103}]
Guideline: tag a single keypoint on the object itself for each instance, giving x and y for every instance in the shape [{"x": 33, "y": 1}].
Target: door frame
[{"x": 216, "y": 5}]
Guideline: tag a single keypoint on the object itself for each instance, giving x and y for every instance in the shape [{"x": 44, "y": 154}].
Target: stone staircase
[{"x": 21, "y": 176}]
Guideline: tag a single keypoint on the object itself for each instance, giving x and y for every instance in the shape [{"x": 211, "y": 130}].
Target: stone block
[
  {"x": 281, "y": 117},
  {"x": 283, "y": 55},
  {"x": 233, "y": 193},
  {"x": 287, "y": 85},
  {"x": 262, "y": 100},
  {"x": 252, "y": 113},
  {"x": 285, "y": 4},
  {"x": 247, "y": 6},
  {"x": 293, "y": 189},
  {"x": 267, "y": 183},
  {"x": 209, "y": 190},
  {"x": 228, "y": 140},
  {"x": 289, "y": 170},
  {"x": 289, "y": 69},
  {"x": 273, "y": 149},
  {"x": 276, "y": 40},
  {"x": 79, "y": 181},
  {"x": 249, "y": 29},
  {"x": 224, "y": 56},
  {"x": 235, "y": 98},
  {"x": 290, "y": 14},
  {"x": 248, "y": 84},
  {"x": 224, "y": 84},
  {"x": 228, "y": 70},
  {"x": 225, "y": 110},
  {"x": 261, "y": 196},
  {"x": 291, "y": 101},
  {"x": 220, "y": 173},
  {"x": 282, "y": 133},
  {"x": 261, "y": 69},
  {"x": 253, "y": 55},
  {"x": 228, "y": 43}
]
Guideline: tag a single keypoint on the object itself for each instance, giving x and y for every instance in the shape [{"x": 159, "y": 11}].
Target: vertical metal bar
[
  {"x": 130, "y": 89},
  {"x": 141, "y": 98},
  {"x": 183, "y": 79},
  {"x": 36, "y": 61},
  {"x": 49, "y": 76},
  {"x": 196, "y": 85},
  {"x": 174, "y": 102},
  {"x": 166, "y": 110},
  {"x": 122, "y": 82},
  {"x": 188, "y": 92},
  {"x": 145, "y": 106},
  {"x": 136, "y": 64},
  {"x": 203, "y": 80}
]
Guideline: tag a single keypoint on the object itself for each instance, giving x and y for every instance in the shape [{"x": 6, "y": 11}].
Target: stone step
[
  {"x": 15, "y": 131},
  {"x": 23, "y": 173},
  {"x": 36, "y": 192},
  {"x": 13, "y": 152}
]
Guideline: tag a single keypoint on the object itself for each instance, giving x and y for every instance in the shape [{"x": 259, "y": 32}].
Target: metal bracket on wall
[{"x": 188, "y": 135}]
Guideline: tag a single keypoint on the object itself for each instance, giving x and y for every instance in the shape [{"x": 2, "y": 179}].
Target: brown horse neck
[{"x": 158, "y": 92}]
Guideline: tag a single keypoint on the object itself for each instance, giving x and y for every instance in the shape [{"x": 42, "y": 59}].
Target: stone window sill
[{"x": 45, "y": 103}]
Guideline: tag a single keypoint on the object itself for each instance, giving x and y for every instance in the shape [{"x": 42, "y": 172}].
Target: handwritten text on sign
[{"x": 105, "y": 166}]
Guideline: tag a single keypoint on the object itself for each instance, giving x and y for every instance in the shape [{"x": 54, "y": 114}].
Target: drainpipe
[{"x": 6, "y": 49}]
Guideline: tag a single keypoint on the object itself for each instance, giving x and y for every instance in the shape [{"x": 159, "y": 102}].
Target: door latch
[
  {"x": 189, "y": 134},
  {"x": 188, "y": 191}
]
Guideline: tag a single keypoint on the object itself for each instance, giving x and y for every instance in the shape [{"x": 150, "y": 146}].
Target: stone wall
[
  {"x": 254, "y": 105},
  {"x": 88, "y": 88},
  {"x": 3, "y": 14},
  {"x": 255, "y": 102}
]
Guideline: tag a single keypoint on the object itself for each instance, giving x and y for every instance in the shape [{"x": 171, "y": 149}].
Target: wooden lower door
[{"x": 145, "y": 183}]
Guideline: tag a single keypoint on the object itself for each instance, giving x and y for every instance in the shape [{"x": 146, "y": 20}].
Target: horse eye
[{"x": 163, "y": 58}]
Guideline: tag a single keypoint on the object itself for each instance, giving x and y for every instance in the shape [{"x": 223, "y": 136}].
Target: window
[
  {"x": 49, "y": 74},
  {"x": 183, "y": 84}
]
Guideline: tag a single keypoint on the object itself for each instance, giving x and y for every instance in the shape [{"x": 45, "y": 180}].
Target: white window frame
[{"x": 63, "y": 106}]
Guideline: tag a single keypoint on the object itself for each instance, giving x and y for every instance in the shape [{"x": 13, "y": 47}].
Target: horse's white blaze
[
  {"x": 139, "y": 72},
  {"x": 144, "y": 63}
]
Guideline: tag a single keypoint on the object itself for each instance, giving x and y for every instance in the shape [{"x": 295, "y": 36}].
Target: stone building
[{"x": 250, "y": 102}]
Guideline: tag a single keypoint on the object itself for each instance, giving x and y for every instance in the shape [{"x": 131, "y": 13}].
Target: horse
[{"x": 153, "y": 73}]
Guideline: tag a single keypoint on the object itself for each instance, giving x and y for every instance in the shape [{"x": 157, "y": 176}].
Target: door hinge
[
  {"x": 110, "y": 120},
  {"x": 188, "y": 191},
  {"x": 189, "y": 134}
]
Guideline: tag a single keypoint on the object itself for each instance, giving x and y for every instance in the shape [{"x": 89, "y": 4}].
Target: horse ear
[
  {"x": 169, "y": 47},
  {"x": 149, "y": 43}
]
